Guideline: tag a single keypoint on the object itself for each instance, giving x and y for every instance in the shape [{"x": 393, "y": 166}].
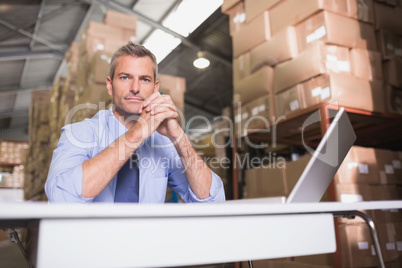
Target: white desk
[{"x": 124, "y": 235}]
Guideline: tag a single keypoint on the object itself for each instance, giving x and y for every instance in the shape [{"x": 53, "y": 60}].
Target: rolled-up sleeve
[{"x": 64, "y": 181}]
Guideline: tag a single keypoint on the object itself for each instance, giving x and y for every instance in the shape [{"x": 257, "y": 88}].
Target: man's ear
[
  {"x": 156, "y": 87},
  {"x": 109, "y": 86}
]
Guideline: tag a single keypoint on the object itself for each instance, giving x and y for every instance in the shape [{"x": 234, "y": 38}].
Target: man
[{"x": 133, "y": 151}]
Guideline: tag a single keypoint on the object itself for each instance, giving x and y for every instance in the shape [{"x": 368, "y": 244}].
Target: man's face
[{"x": 132, "y": 83}]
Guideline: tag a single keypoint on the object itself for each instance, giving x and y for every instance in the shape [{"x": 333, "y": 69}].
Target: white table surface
[{"x": 172, "y": 235}]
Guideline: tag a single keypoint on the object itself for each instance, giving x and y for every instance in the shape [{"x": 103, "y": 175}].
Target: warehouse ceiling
[{"x": 35, "y": 34}]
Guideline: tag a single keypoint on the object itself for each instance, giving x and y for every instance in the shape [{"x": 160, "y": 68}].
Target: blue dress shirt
[{"x": 159, "y": 164}]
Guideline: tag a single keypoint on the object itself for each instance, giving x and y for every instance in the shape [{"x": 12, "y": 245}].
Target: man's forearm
[
  {"x": 97, "y": 172},
  {"x": 198, "y": 173}
]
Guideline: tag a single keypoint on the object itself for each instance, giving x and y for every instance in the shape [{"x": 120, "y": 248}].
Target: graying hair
[{"x": 134, "y": 50}]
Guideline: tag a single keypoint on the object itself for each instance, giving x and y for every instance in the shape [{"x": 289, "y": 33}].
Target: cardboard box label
[
  {"x": 294, "y": 105},
  {"x": 399, "y": 245},
  {"x": 363, "y": 169},
  {"x": 396, "y": 164},
  {"x": 363, "y": 245},
  {"x": 389, "y": 169},
  {"x": 390, "y": 246},
  {"x": 351, "y": 198},
  {"x": 316, "y": 35}
]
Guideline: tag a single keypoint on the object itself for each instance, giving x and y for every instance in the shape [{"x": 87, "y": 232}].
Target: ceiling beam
[
  {"x": 22, "y": 55},
  {"x": 159, "y": 26}
]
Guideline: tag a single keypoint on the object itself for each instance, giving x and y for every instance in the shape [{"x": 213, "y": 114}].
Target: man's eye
[
  {"x": 124, "y": 77},
  {"x": 146, "y": 80}
]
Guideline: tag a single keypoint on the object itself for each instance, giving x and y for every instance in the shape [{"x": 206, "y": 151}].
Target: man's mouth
[{"x": 133, "y": 99}]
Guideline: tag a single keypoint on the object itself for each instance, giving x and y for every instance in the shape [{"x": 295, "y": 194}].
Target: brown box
[
  {"x": 316, "y": 260},
  {"x": 362, "y": 10},
  {"x": 330, "y": 28},
  {"x": 358, "y": 167},
  {"x": 99, "y": 67},
  {"x": 345, "y": 90},
  {"x": 392, "y": 71},
  {"x": 366, "y": 64},
  {"x": 294, "y": 169},
  {"x": 251, "y": 35},
  {"x": 259, "y": 113},
  {"x": 228, "y": 4},
  {"x": 385, "y": 18},
  {"x": 388, "y": 174},
  {"x": 265, "y": 182},
  {"x": 387, "y": 43},
  {"x": 255, "y": 85},
  {"x": 385, "y": 192},
  {"x": 289, "y": 101},
  {"x": 387, "y": 236},
  {"x": 318, "y": 59},
  {"x": 281, "y": 47},
  {"x": 393, "y": 99},
  {"x": 241, "y": 67},
  {"x": 254, "y": 8},
  {"x": 121, "y": 20},
  {"x": 356, "y": 246},
  {"x": 237, "y": 17},
  {"x": 175, "y": 87},
  {"x": 290, "y": 12},
  {"x": 241, "y": 114}
]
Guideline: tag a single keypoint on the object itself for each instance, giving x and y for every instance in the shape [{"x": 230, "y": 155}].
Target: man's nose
[{"x": 135, "y": 86}]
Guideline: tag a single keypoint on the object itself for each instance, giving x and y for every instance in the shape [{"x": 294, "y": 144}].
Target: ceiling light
[{"x": 201, "y": 62}]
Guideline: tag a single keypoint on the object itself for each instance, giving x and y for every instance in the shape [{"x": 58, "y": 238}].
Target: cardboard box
[
  {"x": 175, "y": 87},
  {"x": 350, "y": 193},
  {"x": 318, "y": 59},
  {"x": 251, "y": 35},
  {"x": 241, "y": 67},
  {"x": 294, "y": 169},
  {"x": 366, "y": 64},
  {"x": 344, "y": 90},
  {"x": 385, "y": 18},
  {"x": 290, "y": 12},
  {"x": 241, "y": 114},
  {"x": 317, "y": 261},
  {"x": 121, "y": 20},
  {"x": 228, "y": 4},
  {"x": 265, "y": 182},
  {"x": 356, "y": 246},
  {"x": 99, "y": 67},
  {"x": 389, "y": 167},
  {"x": 281, "y": 47},
  {"x": 259, "y": 113},
  {"x": 393, "y": 99},
  {"x": 362, "y": 10},
  {"x": 385, "y": 192},
  {"x": 255, "y": 85},
  {"x": 387, "y": 235},
  {"x": 387, "y": 43},
  {"x": 330, "y": 28},
  {"x": 254, "y": 8},
  {"x": 289, "y": 101},
  {"x": 358, "y": 167},
  {"x": 237, "y": 17},
  {"x": 392, "y": 71}
]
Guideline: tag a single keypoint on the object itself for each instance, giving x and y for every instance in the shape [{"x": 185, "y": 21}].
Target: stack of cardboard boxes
[
  {"x": 289, "y": 55},
  {"x": 11, "y": 160},
  {"x": 40, "y": 151},
  {"x": 369, "y": 174},
  {"x": 296, "y": 54}
]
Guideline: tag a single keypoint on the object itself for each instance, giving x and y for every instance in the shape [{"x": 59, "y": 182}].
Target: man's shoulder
[{"x": 90, "y": 124}]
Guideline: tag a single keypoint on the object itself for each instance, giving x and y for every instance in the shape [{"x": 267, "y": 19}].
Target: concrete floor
[{"x": 11, "y": 256}]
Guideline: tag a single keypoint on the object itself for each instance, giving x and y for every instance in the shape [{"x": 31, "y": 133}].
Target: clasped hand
[{"x": 158, "y": 113}]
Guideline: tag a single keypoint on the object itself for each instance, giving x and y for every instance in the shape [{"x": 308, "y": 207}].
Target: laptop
[{"x": 323, "y": 164}]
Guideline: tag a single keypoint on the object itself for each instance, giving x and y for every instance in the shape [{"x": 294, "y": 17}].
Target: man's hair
[{"x": 133, "y": 50}]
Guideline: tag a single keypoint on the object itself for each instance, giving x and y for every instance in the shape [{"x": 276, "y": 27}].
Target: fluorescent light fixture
[
  {"x": 201, "y": 62},
  {"x": 184, "y": 19},
  {"x": 161, "y": 44}
]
